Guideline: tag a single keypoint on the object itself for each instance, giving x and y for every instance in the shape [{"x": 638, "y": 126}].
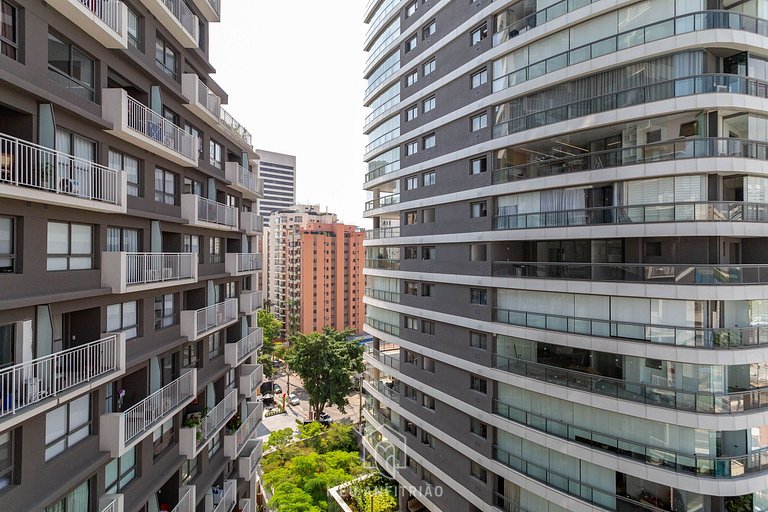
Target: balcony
[
  {"x": 250, "y": 459},
  {"x": 383, "y": 326},
  {"x": 251, "y": 223},
  {"x": 236, "y": 353},
  {"x": 251, "y": 376},
  {"x": 243, "y": 180},
  {"x": 228, "y": 497},
  {"x": 376, "y": 234},
  {"x": 178, "y": 19},
  {"x": 382, "y": 202},
  {"x": 137, "y": 124},
  {"x": 111, "y": 503},
  {"x": 192, "y": 439},
  {"x": 127, "y": 272},
  {"x": 250, "y": 302},
  {"x": 235, "y": 442},
  {"x": 187, "y": 499},
  {"x": 119, "y": 432},
  {"x": 201, "y": 101},
  {"x": 205, "y": 213},
  {"x": 245, "y": 505},
  {"x": 235, "y": 128},
  {"x": 35, "y": 386},
  {"x": 104, "y": 20},
  {"x": 207, "y": 320},
  {"x": 239, "y": 264},
  {"x": 29, "y": 172},
  {"x": 210, "y": 9}
]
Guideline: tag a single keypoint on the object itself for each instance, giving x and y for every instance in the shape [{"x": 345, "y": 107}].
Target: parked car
[
  {"x": 325, "y": 419},
  {"x": 293, "y": 399},
  {"x": 276, "y": 389}
]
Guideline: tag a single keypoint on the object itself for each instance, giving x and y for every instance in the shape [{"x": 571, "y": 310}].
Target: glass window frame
[
  {"x": 165, "y": 319},
  {"x": 73, "y": 52},
  {"x": 69, "y": 255},
  {"x": 167, "y": 50},
  {"x": 10, "y": 46},
  {"x": 70, "y": 431},
  {"x": 162, "y": 195},
  {"x": 11, "y": 256}
]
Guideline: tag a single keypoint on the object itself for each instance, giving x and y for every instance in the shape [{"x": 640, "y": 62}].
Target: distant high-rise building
[
  {"x": 314, "y": 270},
  {"x": 279, "y": 174},
  {"x": 566, "y": 279}
]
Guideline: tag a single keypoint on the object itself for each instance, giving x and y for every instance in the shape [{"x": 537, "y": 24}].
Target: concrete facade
[{"x": 279, "y": 174}]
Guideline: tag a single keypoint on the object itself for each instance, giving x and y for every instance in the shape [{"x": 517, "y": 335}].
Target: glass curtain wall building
[{"x": 566, "y": 276}]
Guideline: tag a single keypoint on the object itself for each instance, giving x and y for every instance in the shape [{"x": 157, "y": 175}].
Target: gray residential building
[
  {"x": 129, "y": 253},
  {"x": 566, "y": 275},
  {"x": 279, "y": 174}
]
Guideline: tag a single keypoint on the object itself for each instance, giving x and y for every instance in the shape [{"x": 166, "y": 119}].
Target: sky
[{"x": 293, "y": 71}]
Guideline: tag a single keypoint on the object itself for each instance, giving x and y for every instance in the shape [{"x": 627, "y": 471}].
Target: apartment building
[
  {"x": 128, "y": 250},
  {"x": 314, "y": 270},
  {"x": 566, "y": 279},
  {"x": 278, "y": 171}
]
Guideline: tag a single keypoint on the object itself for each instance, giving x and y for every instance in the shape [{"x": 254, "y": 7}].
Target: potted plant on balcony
[
  {"x": 194, "y": 420},
  {"x": 46, "y": 175},
  {"x": 234, "y": 424}
]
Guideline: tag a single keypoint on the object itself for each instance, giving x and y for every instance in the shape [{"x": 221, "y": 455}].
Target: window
[
  {"x": 78, "y": 499},
  {"x": 411, "y": 323},
  {"x": 165, "y": 186},
  {"x": 478, "y": 384},
  {"x": 411, "y": 253},
  {"x": 478, "y": 471},
  {"x": 426, "y": 476},
  {"x": 478, "y": 296},
  {"x": 214, "y": 345},
  {"x": 411, "y": 182},
  {"x": 198, "y": 136},
  {"x": 428, "y": 215},
  {"x": 191, "y": 243},
  {"x": 123, "y": 239},
  {"x": 478, "y": 428},
  {"x": 479, "y": 34},
  {"x": 411, "y": 9},
  {"x": 410, "y": 217},
  {"x": 427, "y": 327},
  {"x": 191, "y": 186},
  {"x": 479, "y": 122},
  {"x": 188, "y": 471},
  {"x": 121, "y": 162},
  {"x": 428, "y": 253},
  {"x": 167, "y": 58},
  {"x": 429, "y": 67},
  {"x": 409, "y": 392},
  {"x": 162, "y": 438},
  {"x": 411, "y": 464},
  {"x": 478, "y": 209},
  {"x": 7, "y": 456},
  {"x": 429, "y": 141},
  {"x": 124, "y": 318},
  {"x": 7, "y": 245},
  {"x": 9, "y": 30},
  {"x": 411, "y": 78},
  {"x": 428, "y": 104},
  {"x": 119, "y": 472},
  {"x": 430, "y": 29},
  {"x": 428, "y": 402},
  {"x": 214, "y": 445},
  {"x": 411, "y": 44},
  {"x": 411, "y": 288},
  {"x": 165, "y": 311},
  {"x": 479, "y": 78},
  {"x": 135, "y": 29},
  {"x": 478, "y": 165},
  {"x": 215, "y": 154},
  {"x": 216, "y": 249},
  {"x": 478, "y": 252},
  {"x": 7, "y": 339},
  {"x": 67, "y": 425},
  {"x": 411, "y": 428},
  {"x": 427, "y": 290},
  {"x": 427, "y": 438},
  {"x": 478, "y": 340},
  {"x": 653, "y": 249},
  {"x": 70, "y": 67},
  {"x": 70, "y": 246},
  {"x": 428, "y": 179},
  {"x": 411, "y": 113},
  {"x": 411, "y": 148},
  {"x": 427, "y": 363}
]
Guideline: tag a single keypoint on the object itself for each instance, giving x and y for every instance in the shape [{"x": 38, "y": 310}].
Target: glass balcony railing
[
  {"x": 708, "y": 338},
  {"x": 537, "y": 19},
  {"x": 711, "y": 211},
  {"x": 382, "y": 263},
  {"x": 375, "y": 234},
  {"x": 387, "y": 359},
  {"x": 636, "y": 272},
  {"x": 382, "y": 201},
  {"x": 382, "y": 295},
  {"x": 383, "y": 326},
  {"x": 384, "y": 388},
  {"x": 381, "y": 171},
  {"x": 667, "y": 151},
  {"x": 236, "y": 128}
]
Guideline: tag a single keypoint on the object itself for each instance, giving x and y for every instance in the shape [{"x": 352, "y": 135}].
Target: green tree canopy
[
  {"x": 271, "y": 328},
  {"x": 326, "y": 363},
  {"x": 265, "y": 360}
]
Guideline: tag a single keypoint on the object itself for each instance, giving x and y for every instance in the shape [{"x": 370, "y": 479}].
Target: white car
[{"x": 293, "y": 399}]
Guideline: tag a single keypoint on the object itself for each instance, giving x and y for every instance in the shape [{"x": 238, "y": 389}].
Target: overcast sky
[{"x": 293, "y": 71}]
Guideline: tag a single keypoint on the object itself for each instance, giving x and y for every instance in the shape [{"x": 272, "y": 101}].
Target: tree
[
  {"x": 270, "y": 327},
  {"x": 326, "y": 363},
  {"x": 265, "y": 360},
  {"x": 279, "y": 438}
]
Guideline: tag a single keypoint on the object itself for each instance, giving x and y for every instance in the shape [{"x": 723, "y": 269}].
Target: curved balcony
[
  {"x": 204, "y": 321},
  {"x": 381, "y": 171},
  {"x": 689, "y": 463},
  {"x": 678, "y": 88},
  {"x": 705, "y": 211},
  {"x": 686, "y": 23},
  {"x": 384, "y": 295},
  {"x": 178, "y": 19},
  {"x": 382, "y": 201},
  {"x": 659, "y": 396},
  {"x": 236, "y": 353},
  {"x": 707, "y": 338},
  {"x": 126, "y": 272},
  {"x": 382, "y": 263},
  {"x": 392, "y": 359},
  {"x": 383, "y": 326},
  {"x": 719, "y": 275},
  {"x": 668, "y": 151},
  {"x": 234, "y": 442},
  {"x": 104, "y": 20},
  {"x": 376, "y": 234},
  {"x": 537, "y": 19},
  {"x": 206, "y": 213},
  {"x": 192, "y": 439}
]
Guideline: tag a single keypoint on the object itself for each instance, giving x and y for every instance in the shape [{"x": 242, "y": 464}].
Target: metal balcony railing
[
  {"x": 154, "y": 409},
  {"x": 217, "y": 416},
  {"x": 108, "y": 11},
  {"x": 208, "y": 99},
  {"x": 186, "y": 501},
  {"x": 247, "y": 179},
  {"x": 387, "y": 359},
  {"x": 145, "y": 268},
  {"x": 248, "y": 463},
  {"x": 228, "y": 498},
  {"x": 383, "y": 326},
  {"x": 384, "y": 295},
  {"x": 185, "y": 16},
  {"x": 26, "y": 384},
  {"x": 235, "y": 442},
  {"x": 251, "y": 376},
  {"x": 25, "y": 164},
  {"x": 211, "y": 317},
  {"x": 382, "y": 201},
  {"x": 216, "y": 213},
  {"x": 239, "y": 130},
  {"x": 250, "y": 301},
  {"x": 248, "y": 262},
  {"x": 154, "y": 126},
  {"x": 375, "y": 234},
  {"x": 235, "y": 353},
  {"x": 251, "y": 223}
]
